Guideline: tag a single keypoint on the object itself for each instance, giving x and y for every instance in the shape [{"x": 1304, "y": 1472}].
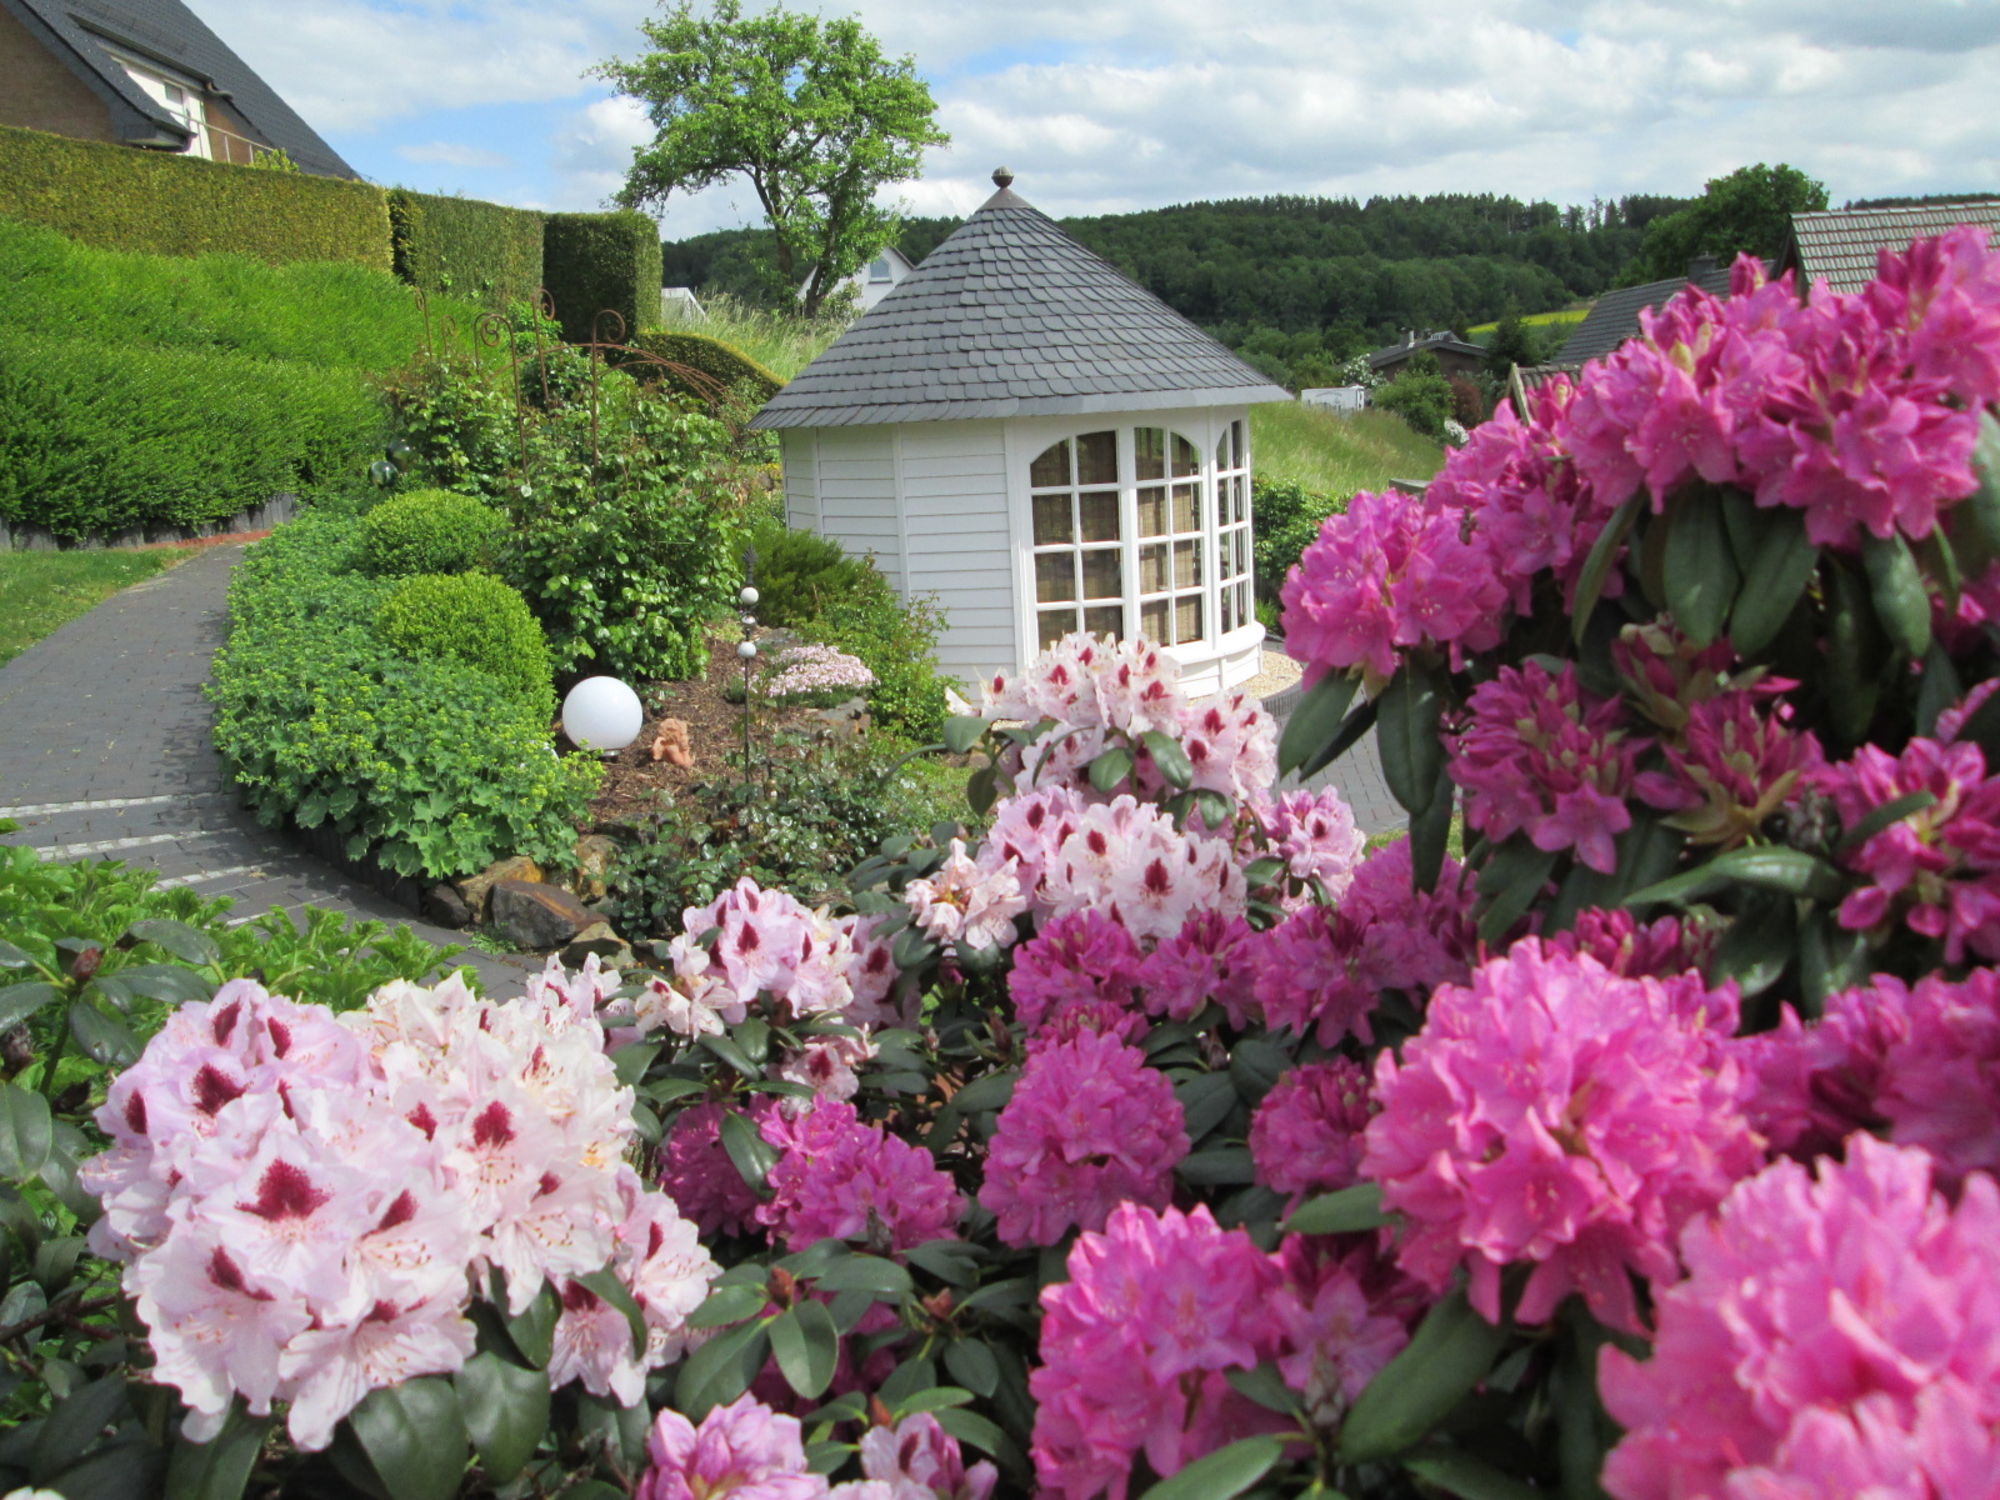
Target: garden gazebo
[{"x": 1020, "y": 430}]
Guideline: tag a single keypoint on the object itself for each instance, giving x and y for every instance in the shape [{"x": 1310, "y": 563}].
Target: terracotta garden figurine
[{"x": 670, "y": 744}]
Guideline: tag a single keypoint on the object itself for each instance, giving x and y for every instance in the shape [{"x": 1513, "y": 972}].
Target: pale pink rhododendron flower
[
  {"x": 917, "y": 1460},
  {"x": 1315, "y": 835},
  {"x": 1537, "y": 753},
  {"x": 1936, "y": 870},
  {"x": 967, "y": 904},
  {"x": 1305, "y": 1137},
  {"x": 1127, "y": 858},
  {"x": 742, "y": 1451},
  {"x": 1556, "y": 1115},
  {"x": 1867, "y": 1365},
  {"x": 305, "y": 1203},
  {"x": 829, "y": 1065},
  {"x": 1090, "y": 1126},
  {"x": 838, "y": 1176}
]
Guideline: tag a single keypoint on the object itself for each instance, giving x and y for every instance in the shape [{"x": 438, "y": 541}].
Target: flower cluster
[
  {"x": 812, "y": 668},
  {"x": 1835, "y": 1335},
  {"x": 1080, "y": 970},
  {"x": 966, "y": 904},
  {"x": 1554, "y": 1114},
  {"x": 839, "y": 1177},
  {"x": 1315, "y": 835},
  {"x": 1136, "y": 1346},
  {"x": 746, "y": 944},
  {"x": 1540, "y": 754},
  {"x": 1101, "y": 692},
  {"x": 1306, "y": 1136},
  {"x": 1938, "y": 868},
  {"x": 1127, "y": 859},
  {"x": 1090, "y": 1126},
  {"x": 305, "y": 1203},
  {"x": 1741, "y": 760}
]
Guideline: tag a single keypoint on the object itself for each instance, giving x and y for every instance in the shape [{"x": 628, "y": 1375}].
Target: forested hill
[{"x": 1330, "y": 271}]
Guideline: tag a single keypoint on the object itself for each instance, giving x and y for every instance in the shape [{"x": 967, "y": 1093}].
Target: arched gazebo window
[{"x": 1134, "y": 535}]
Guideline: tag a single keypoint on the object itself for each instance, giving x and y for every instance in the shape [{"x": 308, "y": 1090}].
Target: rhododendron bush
[{"x": 1155, "y": 1136}]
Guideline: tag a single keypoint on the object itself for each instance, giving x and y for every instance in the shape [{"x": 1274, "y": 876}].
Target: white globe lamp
[{"x": 603, "y": 714}]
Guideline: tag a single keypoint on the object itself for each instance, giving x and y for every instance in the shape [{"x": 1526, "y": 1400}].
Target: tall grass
[
  {"x": 782, "y": 343},
  {"x": 312, "y": 312},
  {"x": 1336, "y": 454}
]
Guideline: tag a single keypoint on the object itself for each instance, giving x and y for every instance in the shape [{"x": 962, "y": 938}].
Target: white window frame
[
  {"x": 1028, "y": 438},
  {"x": 161, "y": 84}
]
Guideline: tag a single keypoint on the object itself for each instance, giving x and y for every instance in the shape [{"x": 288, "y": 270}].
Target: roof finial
[{"x": 1003, "y": 177}]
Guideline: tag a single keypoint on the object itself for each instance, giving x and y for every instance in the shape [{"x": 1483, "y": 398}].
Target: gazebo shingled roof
[{"x": 1010, "y": 317}]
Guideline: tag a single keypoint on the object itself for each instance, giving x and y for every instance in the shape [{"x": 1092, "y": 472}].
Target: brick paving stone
[
  {"x": 110, "y": 710},
  {"x": 1357, "y": 776}
]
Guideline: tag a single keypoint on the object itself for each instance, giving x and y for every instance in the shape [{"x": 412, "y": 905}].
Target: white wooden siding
[
  {"x": 801, "y": 491},
  {"x": 856, "y": 473},
  {"x": 960, "y": 545}
]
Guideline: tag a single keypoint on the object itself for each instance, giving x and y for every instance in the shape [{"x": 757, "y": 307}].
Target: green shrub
[
  {"x": 1285, "y": 518},
  {"x": 95, "y": 439},
  {"x": 721, "y": 371},
  {"x": 898, "y": 641},
  {"x": 476, "y": 620},
  {"x": 121, "y": 199},
  {"x": 439, "y": 769},
  {"x": 593, "y": 262},
  {"x": 479, "y": 251},
  {"x": 1420, "y": 395},
  {"x": 458, "y": 422},
  {"x": 322, "y": 313},
  {"x": 801, "y": 572},
  {"x": 430, "y": 531}
]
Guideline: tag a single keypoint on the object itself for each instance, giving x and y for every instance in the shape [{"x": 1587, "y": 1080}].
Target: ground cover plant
[
  {"x": 1155, "y": 1139},
  {"x": 40, "y": 592}
]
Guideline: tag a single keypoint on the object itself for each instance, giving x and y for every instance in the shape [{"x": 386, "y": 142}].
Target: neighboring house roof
[
  {"x": 1010, "y": 317},
  {"x": 167, "y": 32},
  {"x": 1615, "y": 316},
  {"x": 1430, "y": 343},
  {"x": 1840, "y": 245}
]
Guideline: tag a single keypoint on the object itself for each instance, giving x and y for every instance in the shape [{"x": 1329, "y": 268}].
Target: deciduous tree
[
  {"x": 808, "y": 110},
  {"x": 1750, "y": 209}
]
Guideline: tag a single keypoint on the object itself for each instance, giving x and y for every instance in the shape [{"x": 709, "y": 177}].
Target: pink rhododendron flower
[
  {"x": 1741, "y": 761},
  {"x": 842, "y": 1178},
  {"x": 1555, "y": 1114},
  {"x": 1134, "y": 1346},
  {"x": 764, "y": 943},
  {"x": 1027, "y": 831},
  {"x": 742, "y": 1451},
  {"x": 1937, "y": 869},
  {"x": 1314, "y": 834},
  {"x": 1392, "y": 573},
  {"x": 1210, "y": 958},
  {"x": 1834, "y": 1333},
  {"x": 1663, "y": 947},
  {"x": 1127, "y": 858},
  {"x": 1333, "y": 1338},
  {"x": 918, "y": 1460},
  {"x": 696, "y": 1172},
  {"x": 1079, "y": 970},
  {"x": 1538, "y": 753},
  {"x": 1306, "y": 1135},
  {"x": 1089, "y": 1126},
  {"x": 967, "y": 904}
]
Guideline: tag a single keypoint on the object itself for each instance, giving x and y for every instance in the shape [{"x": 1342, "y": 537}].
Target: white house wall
[
  {"x": 855, "y": 472},
  {"x": 801, "y": 488},
  {"x": 960, "y": 545}
]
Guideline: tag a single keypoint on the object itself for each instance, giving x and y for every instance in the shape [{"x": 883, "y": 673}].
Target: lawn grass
[
  {"x": 1335, "y": 454},
  {"x": 40, "y": 591},
  {"x": 1562, "y": 317}
]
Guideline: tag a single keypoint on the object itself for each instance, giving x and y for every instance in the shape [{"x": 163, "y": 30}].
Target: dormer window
[
  {"x": 879, "y": 272},
  {"x": 182, "y": 97}
]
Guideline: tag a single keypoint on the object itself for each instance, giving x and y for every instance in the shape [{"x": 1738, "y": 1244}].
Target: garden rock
[
  {"x": 670, "y": 743},
  {"x": 535, "y": 916},
  {"x": 612, "y": 951},
  {"x": 596, "y": 853},
  {"x": 445, "y": 906},
  {"x": 477, "y": 889},
  {"x": 844, "y": 721}
]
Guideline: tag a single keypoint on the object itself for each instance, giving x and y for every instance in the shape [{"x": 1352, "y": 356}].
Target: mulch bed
[{"x": 633, "y": 779}]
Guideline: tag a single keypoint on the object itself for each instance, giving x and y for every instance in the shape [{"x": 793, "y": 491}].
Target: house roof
[
  {"x": 1841, "y": 245},
  {"x": 1010, "y": 317},
  {"x": 167, "y": 32},
  {"x": 1430, "y": 343},
  {"x": 1615, "y": 316}
]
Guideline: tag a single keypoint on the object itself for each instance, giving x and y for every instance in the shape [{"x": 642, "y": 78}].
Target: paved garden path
[{"x": 106, "y": 751}]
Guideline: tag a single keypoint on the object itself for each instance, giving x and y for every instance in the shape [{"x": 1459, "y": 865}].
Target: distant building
[
  {"x": 1614, "y": 317},
  {"x": 1454, "y": 355},
  {"x": 678, "y": 305},
  {"x": 145, "y": 73},
  {"x": 1839, "y": 246},
  {"x": 1345, "y": 399},
  {"x": 873, "y": 281},
  {"x": 1047, "y": 447}
]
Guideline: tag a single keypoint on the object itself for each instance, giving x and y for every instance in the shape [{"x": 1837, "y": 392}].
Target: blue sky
[{"x": 1117, "y": 105}]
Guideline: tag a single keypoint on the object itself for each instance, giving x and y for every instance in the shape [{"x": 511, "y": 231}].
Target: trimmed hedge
[
  {"x": 95, "y": 440},
  {"x": 430, "y": 531},
  {"x": 461, "y": 246},
  {"x": 477, "y": 621},
  {"x": 436, "y": 768},
  {"x": 736, "y": 371},
  {"x": 320, "y": 312},
  {"x": 596, "y": 261},
  {"x": 120, "y": 198}
]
